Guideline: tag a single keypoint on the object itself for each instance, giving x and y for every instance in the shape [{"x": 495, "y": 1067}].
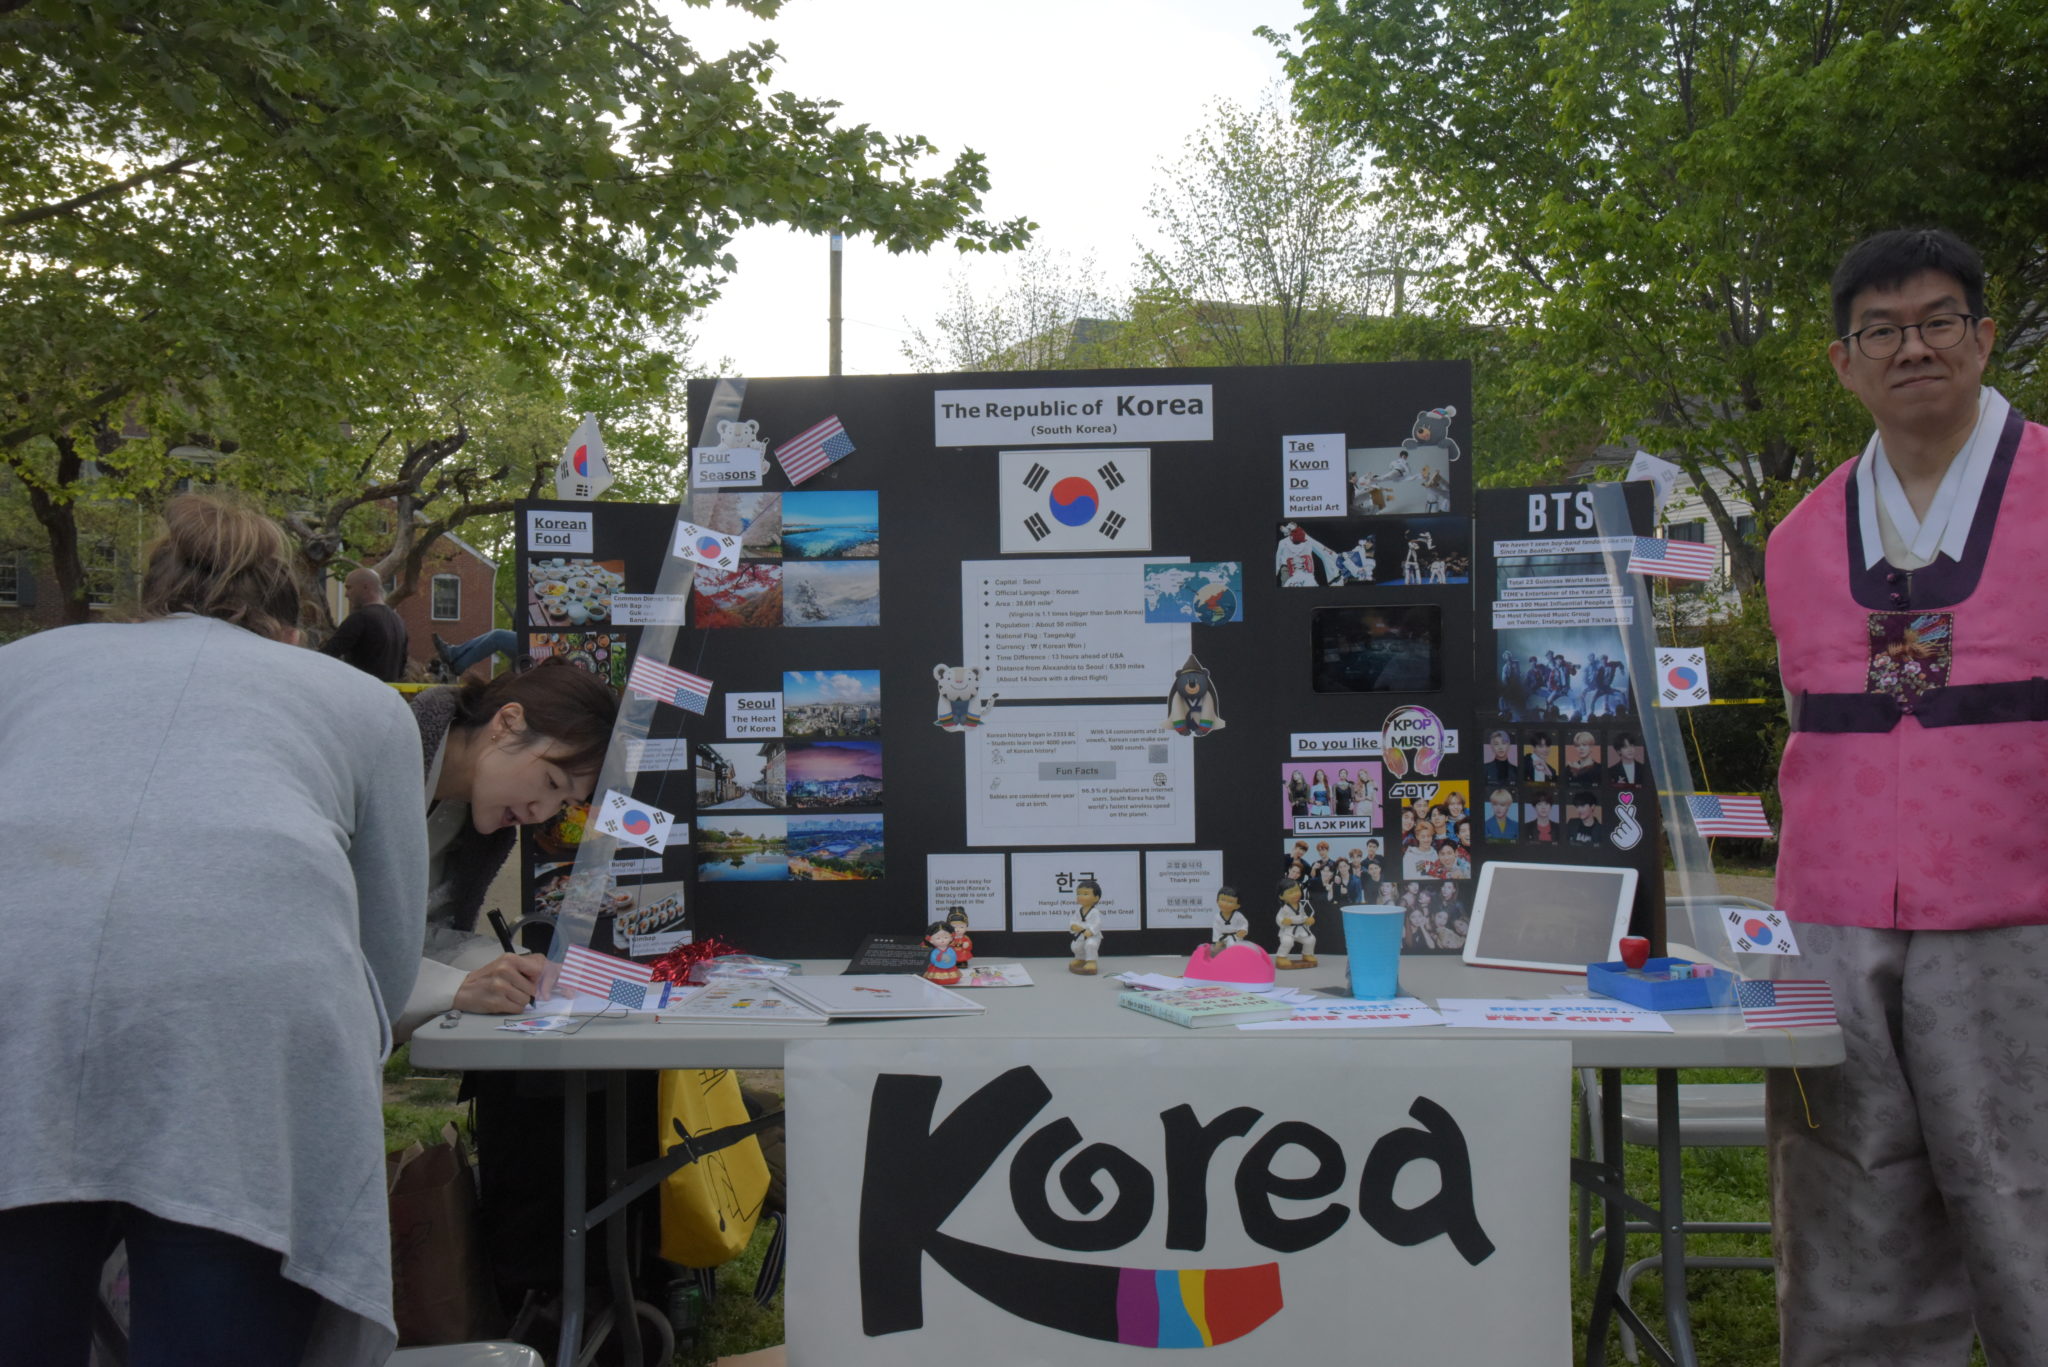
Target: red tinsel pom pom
[{"x": 675, "y": 966}]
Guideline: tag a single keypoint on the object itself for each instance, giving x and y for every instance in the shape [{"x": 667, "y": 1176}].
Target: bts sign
[{"x": 1087, "y": 1201}]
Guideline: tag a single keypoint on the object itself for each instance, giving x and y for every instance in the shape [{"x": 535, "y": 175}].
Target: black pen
[{"x": 504, "y": 931}]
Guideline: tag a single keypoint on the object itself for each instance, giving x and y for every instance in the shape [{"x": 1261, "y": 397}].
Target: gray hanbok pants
[{"x": 1916, "y": 1211}]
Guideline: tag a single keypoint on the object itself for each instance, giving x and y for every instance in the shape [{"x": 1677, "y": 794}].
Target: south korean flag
[{"x": 1093, "y": 502}]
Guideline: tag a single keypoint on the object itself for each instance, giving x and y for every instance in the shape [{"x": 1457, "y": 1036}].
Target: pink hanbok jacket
[{"x": 1916, "y": 779}]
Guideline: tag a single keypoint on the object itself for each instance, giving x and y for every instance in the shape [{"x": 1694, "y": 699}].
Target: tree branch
[{"x": 119, "y": 187}]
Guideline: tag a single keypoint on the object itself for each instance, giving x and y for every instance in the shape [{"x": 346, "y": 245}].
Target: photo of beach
[{"x": 831, "y": 524}]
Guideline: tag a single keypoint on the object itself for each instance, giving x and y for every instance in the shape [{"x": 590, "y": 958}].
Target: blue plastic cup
[{"x": 1372, "y": 939}]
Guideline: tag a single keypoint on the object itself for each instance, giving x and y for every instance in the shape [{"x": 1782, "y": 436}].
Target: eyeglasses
[{"x": 1939, "y": 332}]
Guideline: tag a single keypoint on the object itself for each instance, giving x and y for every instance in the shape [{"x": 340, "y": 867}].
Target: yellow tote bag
[{"x": 709, "y": 1207}]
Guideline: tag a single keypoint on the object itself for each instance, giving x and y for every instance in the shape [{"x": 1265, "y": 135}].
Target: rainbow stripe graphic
[
  {"x": 1194, "y": 1309},
  {"x": 1141, "y": 1306}
]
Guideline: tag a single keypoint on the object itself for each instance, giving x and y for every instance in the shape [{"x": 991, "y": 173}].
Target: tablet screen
[{"x": 1549, "y": 916}]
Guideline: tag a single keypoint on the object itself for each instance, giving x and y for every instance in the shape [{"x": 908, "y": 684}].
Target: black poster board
[
  {"x": 1563, "y": 653},
  {"x": 1331, "y": 659}
]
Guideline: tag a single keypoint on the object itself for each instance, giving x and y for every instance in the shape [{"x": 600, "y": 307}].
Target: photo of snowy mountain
[{"x": 846, "y": 593}]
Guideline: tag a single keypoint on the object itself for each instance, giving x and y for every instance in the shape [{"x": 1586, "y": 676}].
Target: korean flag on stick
[
  {"x": 582, "y": 472},
  {"x": 634, "y": 822},
  {"x": 1076, "y": 501},
  {"x": 1682, "y": 677}
]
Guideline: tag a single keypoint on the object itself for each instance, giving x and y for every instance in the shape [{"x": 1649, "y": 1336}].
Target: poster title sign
[
  {"x": 1076, "y": 1198},
  {"x": 550, "y": 531},
  {"x": 1061, "y": 417}
]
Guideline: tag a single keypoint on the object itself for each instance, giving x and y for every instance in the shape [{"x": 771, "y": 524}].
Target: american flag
[
  {"x": 1673, "y": 559},
  {"x": 1740, "y": 816},
  {"x": 588, "y": 973},
  {"x": 664, "y": 683},
  {"x": 812, "y": 449},
  {"x": 1780, "y": 1005}
]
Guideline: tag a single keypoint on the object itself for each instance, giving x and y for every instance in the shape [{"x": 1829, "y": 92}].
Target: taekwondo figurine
[
  {"x": 1087, "y": 927},
  {"x": 1230, "y": 926},
  {"x": 1294, "y": 921}
]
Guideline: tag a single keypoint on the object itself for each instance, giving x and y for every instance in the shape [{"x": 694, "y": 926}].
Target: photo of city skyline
[{"x": 832, "y": 702}]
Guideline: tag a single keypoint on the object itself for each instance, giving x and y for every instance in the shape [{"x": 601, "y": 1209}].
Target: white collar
[{"x": 1946, "y": 529}]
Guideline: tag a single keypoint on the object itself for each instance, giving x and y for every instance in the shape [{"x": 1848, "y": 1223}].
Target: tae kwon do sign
[{"x": 1253, "y": 1200}]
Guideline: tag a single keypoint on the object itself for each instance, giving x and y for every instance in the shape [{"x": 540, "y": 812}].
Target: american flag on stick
[
  {"x": 1653, "y": 555},
  {"x": 664, "y": 683},
  {"x": 1713, "y": 814},
  {"x": 812, "y": 449},
  {"x": 1782, "y": 1005},
  {"x": 588, "y": 973}
]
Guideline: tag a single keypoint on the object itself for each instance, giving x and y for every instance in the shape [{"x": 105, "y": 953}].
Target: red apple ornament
[{"x": 1635, "y": 951}]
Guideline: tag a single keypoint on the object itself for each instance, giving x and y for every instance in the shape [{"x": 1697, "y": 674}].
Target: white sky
[{"x": 1074, "y": 103}]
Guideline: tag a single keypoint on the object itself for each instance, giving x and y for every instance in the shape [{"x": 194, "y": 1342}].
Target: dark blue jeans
[{"x": 198, "y": 1298}]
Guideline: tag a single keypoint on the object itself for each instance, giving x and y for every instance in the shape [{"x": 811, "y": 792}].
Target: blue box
[{"x": 1670, "y": 994}]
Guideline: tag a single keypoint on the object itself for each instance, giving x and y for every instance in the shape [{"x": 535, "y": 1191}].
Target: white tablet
[{"x": 1556, "y": 918}]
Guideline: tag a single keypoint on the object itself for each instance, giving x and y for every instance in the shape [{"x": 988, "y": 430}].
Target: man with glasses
[{"x": 1905, "y": 595}]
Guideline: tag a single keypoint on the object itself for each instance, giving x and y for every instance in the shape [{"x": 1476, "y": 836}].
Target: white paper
[
  {"x": 650, "y": 609},
  {"x": 1068, "y": 629},
  {"x": 547, "y": 530},
  {"x": 667, "y": 753},
  {"x": 1042, "y": 889},
  {"x": 1062, "y": 417},
  {"x": 1180, "y": 888},
  {"x": 1079, "y": 776},
  {"x": 1682, "y": 677},
  {"x": 1314, "y": 473},
  {"x": 753, "y": 716},
  {"x": 727, "y": 467},
  {"x": 975, "y": 883},
  {"x": 714, "y": 550},
  {"x": 1753, "y": 931},
  {"x": 1580, "y": 1014},
  {"x": 979, "y": 974},
  {"x": 625, "y": 818},
  {"x": 1351, "y": 1013},
  {"x": 739, "y": 1001},
  {"x": 1080, "y": 501}
]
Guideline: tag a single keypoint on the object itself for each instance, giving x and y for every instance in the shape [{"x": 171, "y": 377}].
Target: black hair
[
  {"x": 938, "y": 926},
  {"x": 1889, "y": 259},
  {"x": 1583, "y": 798},
  {"x": 1090, "y": 884},
  {"x": 1227, "y": 891},
  {"x": 562, "y": 702},
  {"x": 1285, "y": 884}
]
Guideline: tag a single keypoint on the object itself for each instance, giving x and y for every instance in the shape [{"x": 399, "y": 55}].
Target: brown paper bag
[{"x": 439, "y": 1292}]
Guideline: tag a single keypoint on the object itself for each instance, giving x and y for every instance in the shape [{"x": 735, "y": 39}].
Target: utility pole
[{"x": 838, "y": 263}]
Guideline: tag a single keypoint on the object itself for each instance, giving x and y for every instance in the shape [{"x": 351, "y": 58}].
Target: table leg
[
  {"x": 575, "y": 1134},
  {"x": 617, "y": 1254},
  {"x": 1671, "y": 1218},
  {"x": 1614, "y": 1243}
]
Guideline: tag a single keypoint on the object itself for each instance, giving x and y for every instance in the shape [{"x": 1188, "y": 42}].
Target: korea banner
[
  {"x": 1064, "y": 1202},
  {"x": 1054, "y": 501}
]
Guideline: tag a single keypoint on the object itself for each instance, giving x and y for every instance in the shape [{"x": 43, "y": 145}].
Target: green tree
[
  {"x": 1267, "y": 244},
  {"x": 230, "y": 207},
  {"x": 1662, "y": 190},
  {"x": 1046, "y": 311}
]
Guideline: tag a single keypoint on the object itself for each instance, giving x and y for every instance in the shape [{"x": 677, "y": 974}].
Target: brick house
[{"x": 454, "y": 599}]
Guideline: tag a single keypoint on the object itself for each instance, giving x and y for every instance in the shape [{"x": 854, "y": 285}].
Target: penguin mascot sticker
[{"x": 1193, "y": 709}]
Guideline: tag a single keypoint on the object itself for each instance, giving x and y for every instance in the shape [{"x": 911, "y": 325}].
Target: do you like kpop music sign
[{"x": 1094, "y": 1201}]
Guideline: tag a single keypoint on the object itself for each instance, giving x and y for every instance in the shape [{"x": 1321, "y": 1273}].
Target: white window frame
[
  {"x": 434, "y": 598},
  {"x": 100, "y": 562}
]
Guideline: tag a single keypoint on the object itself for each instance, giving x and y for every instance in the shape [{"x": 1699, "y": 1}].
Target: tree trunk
[{"x": 60, "y": 522}]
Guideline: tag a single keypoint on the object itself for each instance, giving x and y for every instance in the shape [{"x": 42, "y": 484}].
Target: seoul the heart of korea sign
[{"x": 1254, "y": 1201}]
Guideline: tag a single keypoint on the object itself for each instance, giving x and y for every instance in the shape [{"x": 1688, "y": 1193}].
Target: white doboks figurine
[
  {"x": 1230, "y": 926},
  {"x": 1294, "y": 921},
  {"x": 1087, "y": 927}
]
